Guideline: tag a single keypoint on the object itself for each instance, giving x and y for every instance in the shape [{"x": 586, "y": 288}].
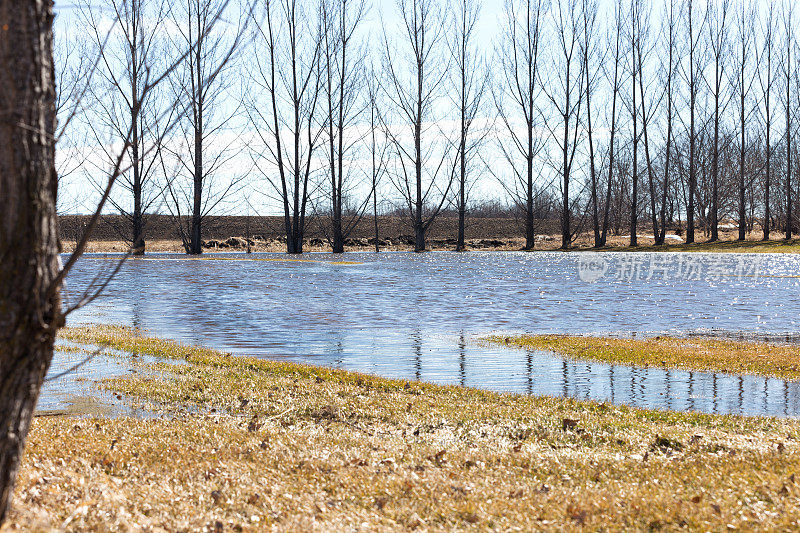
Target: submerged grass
[
  {"x": 717, "y": 355},
  {"x": 247, "y": 444}
]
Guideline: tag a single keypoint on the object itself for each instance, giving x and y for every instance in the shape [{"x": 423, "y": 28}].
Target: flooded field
[{"x": 420, "y": 316}]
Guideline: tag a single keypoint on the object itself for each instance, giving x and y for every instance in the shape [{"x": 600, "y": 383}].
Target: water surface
[{"x": 416, "y": 316}]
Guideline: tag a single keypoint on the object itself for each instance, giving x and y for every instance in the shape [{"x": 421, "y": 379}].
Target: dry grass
[
  {"x": 726, "y": 246},
  {"x": 252, "y": 445},
  {"x": 734, "y": 357}
]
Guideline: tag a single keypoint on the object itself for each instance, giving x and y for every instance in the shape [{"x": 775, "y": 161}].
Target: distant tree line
[{"x": 642, "y": 116}]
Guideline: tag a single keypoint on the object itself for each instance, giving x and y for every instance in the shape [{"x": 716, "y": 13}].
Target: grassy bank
[
  {"x": 765, "y": 359},
  {"x": 723, "y": 246},
  {"x": 246, "y": 444}
]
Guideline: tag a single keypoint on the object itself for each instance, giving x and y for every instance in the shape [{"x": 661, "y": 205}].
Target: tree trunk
[
  {"x": 635, "y": 173},
  {"x": 715, "y": 163},
  {"x": 137, "y": 241},
  {"x": 612, "y": 135},
  {"x": 419, "y": 237},
  {"x": 742, "y": 209},
  {"x": 692, "y": 101},
  {"x": 566, "y": 236},
  {"x": 338, "y": 234},
  {"x": 530, "y": 233},
  {"x": 462, "y": 181},
  {"x": 767, "y": 214},
  {"x": 788, "y": 153},
  {"x": 30, "y": 311},
  {"x": 375, "y": 220},
  {"x": 460, "y": 246},
  {"x": 419, "y": 227},
  {"x": 530, "y": 230},
  {"x": 196, "y": 242}
]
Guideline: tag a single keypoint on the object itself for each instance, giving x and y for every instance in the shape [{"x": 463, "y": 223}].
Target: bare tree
[
  {"x": 287, "y": 70},
  {"x": 615, "y": 81},
  {"x": 413, "y": 83},
  {"x": 73, "y": 71},
  {"x": 129, "y": 60},
  {"x": 378, "y": 148},
  {"x": 31, "y": 274},
  {"x": 343, "y": 83},
  {"x": 671, "y": 18},
  {"x": 718, "y": 45},
  {"x": 201, "y": 85},
  {"x": 589, "y": 50},
  {"x": 634, "y": 46},
  {"x": 565, "y": 93},
  {"x": 470, "y": 82},
  {"x": 744, "y": 81},
  {"x": 518, "y": 53},
  {"x": 765, "y": 78},
  {"x": 693, "y": 71},
  {"x": 30, "y": 311},
  {"x": 788, "y": 35},
  {"x": 649, "y": 107}
]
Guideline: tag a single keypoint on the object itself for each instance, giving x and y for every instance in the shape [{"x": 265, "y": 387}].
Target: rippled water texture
[{"x": 416, "y": 316}]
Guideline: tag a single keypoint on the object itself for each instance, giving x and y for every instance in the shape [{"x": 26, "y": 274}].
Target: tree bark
[
  {"x": 196, "y": 244},
  {"x": 30, "y": 312}
]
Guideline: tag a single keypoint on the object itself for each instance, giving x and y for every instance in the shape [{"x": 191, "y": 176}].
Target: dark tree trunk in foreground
[{"x": 29, "y": 306}]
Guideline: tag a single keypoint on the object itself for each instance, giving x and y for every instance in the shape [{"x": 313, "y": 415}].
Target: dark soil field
[
  {"x": 163, "y": 228},
  {"x": 265, "y": 234}
]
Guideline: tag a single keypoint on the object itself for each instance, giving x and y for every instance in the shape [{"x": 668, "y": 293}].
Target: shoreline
[{"x": 239, "y": 244}]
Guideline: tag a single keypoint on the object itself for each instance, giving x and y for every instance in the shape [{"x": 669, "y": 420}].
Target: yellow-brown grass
[
  {"x": 734, "y": 357},
  {"x": 246, "y": 444}
]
